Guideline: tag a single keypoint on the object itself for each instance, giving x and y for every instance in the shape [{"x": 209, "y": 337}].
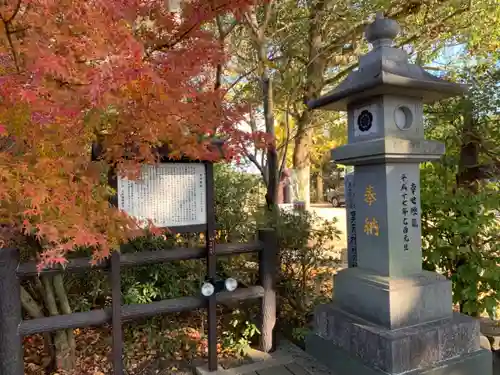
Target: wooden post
[
  {"x": 211, "y": 268},
  {"x": 11, "y": 349},
  {"x": 268, "y": 270},
  {"x": 116, "y": 314}
]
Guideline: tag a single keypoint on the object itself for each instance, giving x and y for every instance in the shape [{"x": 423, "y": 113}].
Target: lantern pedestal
[
  {"x": 416, "y": 350},
  {"x": 389, "y": 325}
]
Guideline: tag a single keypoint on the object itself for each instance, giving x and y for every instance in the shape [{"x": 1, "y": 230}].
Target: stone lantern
[{"x": 388, "y": 316}]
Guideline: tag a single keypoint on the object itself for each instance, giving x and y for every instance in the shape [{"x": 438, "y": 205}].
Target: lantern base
[{"x": 350, "y": 345}]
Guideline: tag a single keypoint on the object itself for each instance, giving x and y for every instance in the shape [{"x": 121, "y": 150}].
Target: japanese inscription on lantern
[
  {"x": 370, "y": 196},
  {"x": 405, "y": 210},
  {"x": 168, "y": 194},
  {"x": 371, "y": 226},
  {"x": 414, "y": 205},
  {"x": 351, "y": 226}
]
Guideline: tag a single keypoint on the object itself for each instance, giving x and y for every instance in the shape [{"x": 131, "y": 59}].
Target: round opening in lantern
[{"x": 403, "y": 117}]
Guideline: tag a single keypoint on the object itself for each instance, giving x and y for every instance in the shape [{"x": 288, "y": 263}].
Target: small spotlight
[
  {"x": 207, "y": 289},
  {"x": 231, "y": 284}
]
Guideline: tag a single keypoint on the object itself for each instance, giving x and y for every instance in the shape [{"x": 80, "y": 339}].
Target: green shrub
[
  {"x": 461, "y": 238},
  {"x": 238, "y": 197},
  {"x": 308, "y": 260}
]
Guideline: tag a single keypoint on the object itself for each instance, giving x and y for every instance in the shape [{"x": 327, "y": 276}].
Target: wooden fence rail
[{"x": 13, "y": 327}]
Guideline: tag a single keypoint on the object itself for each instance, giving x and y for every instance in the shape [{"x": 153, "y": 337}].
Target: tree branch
[
  {"x": 14, "y": 14},
  {"x": 229, "y": 29},
  {"x": 252, "y": 23},
  {"x": 8, "y": 33},
  {"x": 239, "y": 79},
  {"x": 340, "y": 74},
  {"x": 254, "y": 160},
  {"x": 408, "y": 40},
  {"x": 268, "y": 7},
  {"x": 183, "y": 34}
]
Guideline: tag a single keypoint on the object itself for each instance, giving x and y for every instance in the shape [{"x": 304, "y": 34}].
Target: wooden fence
[{"x": 13, "y": 327}]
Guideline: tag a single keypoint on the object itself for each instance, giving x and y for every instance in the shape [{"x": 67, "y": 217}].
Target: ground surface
[{"x": 288, "y": 359}]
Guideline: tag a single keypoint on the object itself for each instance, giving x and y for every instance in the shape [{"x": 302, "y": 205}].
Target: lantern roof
[{"x": 385, "y": 70}]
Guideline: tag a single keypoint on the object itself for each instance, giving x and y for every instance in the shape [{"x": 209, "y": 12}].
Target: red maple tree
[{"x": 128, "y": 74}]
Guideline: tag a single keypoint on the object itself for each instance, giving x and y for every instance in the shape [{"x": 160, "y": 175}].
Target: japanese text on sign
[{"x": 168, "y": 194}]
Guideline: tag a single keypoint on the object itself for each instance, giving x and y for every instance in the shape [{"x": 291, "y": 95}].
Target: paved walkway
[
  {"x": 287, "y": 360},
  {"x": 290, "y": 369}
]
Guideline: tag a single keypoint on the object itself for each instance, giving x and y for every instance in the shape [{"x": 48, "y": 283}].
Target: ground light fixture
[
  {"x": 231, "y": 284},
  {"x": 208, "y": 287}
]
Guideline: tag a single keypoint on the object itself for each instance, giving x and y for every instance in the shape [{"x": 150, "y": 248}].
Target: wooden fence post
[
  {"x": 211, "y": 268},
  {"x": 11, "y": 349},
  {"x": 116, "y": 314},
  {"x": 268, "y": 271}
]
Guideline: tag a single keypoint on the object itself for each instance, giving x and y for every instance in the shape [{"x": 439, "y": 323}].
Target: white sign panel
[{"x": 169, "y": 194}]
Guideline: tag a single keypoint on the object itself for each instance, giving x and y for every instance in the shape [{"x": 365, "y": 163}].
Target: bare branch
[
  {"x": 252, "y": 23},
  {"x": 254, "y": 160},
  {"x": 184, "y": 33},
  {"x": 14, "y": 14},
  {"x": 229, "y": 29},
  {"x": 239, "y": 79},
  {"x": 268, "y": 8},
  {"x": 408, "y": 40},
  {"x": 340, "y": 74},
  {"x": 12, "y": 48}
]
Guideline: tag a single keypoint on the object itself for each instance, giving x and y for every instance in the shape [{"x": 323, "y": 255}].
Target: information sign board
[{"x": 169, "y": 194}]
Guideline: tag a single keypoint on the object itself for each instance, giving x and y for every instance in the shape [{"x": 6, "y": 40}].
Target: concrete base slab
[{"x": 341, "y": 363}]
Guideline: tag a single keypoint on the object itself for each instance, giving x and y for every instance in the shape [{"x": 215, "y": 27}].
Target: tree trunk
[
  {"x": 301, "y": 158},
  {"x": 272, "y": 156},
  {"x": 319, "y": 186},
  {"x": 60, "y": 344},
  {"x": 64, "y": 359},
  {"x": 65, "y": 309},
  {"x": 314, "y": 84},
  {"x": 303, "y": 175},
  {"x": 35, "y": 311}
]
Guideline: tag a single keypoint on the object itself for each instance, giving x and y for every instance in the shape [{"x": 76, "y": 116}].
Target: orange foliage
[{"x": 127, "y": 73}]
